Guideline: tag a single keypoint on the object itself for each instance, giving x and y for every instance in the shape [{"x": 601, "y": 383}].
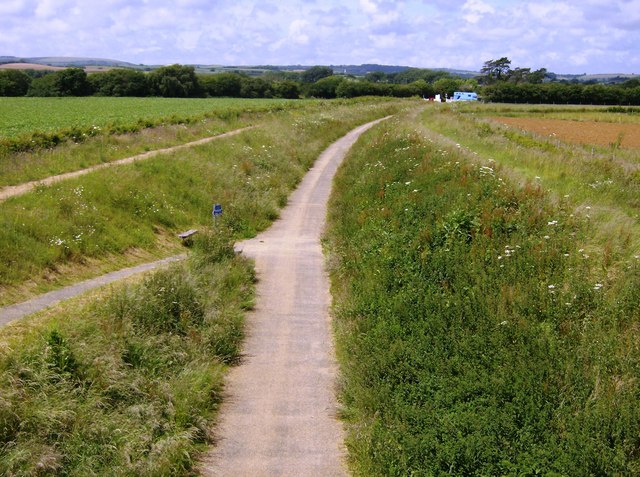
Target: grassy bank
[
  {"x": 76, "y": 228},
  {"x": 60, "y": 135},
  {"x": 125, "y": 384},
  {"x": 476, "y": 335},
  {"x": 605, "y": 181}
]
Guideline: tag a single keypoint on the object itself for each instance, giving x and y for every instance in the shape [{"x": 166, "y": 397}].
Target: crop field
[
  {"x": 580, "y": 132},
  {"x": 25, "y": 116}
]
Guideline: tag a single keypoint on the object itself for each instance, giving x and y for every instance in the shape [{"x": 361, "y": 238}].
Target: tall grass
[
  {"x": 127, "y": 384},
  {"x": 601, "y": 180},
  {"x": 476, "y": 336},
  {"x": 64, "y": 231}
]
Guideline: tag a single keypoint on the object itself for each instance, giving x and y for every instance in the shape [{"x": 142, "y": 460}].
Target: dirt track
[
  {"x": 12, "y": 191},
  {"x": 279, "y": 418}
]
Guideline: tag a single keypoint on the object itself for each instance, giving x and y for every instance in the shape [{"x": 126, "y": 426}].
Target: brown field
[{"x": 580, "y": 132}]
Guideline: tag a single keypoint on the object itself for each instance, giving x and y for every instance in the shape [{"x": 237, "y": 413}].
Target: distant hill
[
  {"x": 65, "y": 61},
  {"x": 100, "y": 64}
]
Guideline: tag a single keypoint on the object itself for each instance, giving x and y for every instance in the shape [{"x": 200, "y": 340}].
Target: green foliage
[
  {"x": 221, "y": 84},
  {"x": 475, "y": 335},
  {"x": 106, "y": 392},
  {"x": 315, "y": 73},
  {"x": 138, "y": 205},
  {"x": 72, "y": 82},
  {"x": 44, "y": 86},
  {"x": 119, "y": 82},
  {"x": 286, "y": 89},
  {"x": 325, "y": 88},
  {"x": 254, "y": 88},
  {"x": 175, "y": 81},
  {"x": 14, "y": 83}
]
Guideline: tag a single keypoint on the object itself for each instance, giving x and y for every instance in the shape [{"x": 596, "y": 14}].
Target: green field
[{"x": 24, "y": 116}]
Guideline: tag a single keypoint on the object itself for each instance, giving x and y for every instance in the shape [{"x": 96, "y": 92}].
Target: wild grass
[
  {"x": 104, "y": 130},
  {"x": 604, "y": 181},
  {"x": 84, "y": 222},
  {"x": 126, "y": 384},
  {"x": 476, "y": 335}
]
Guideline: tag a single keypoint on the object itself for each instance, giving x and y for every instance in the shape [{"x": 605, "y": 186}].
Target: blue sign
[{"x": 217, "y": 210}]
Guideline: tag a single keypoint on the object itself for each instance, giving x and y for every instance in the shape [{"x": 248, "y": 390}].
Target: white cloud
[
  {"x": 474, "y": 10},
  {"x": 592, "y": 35}
]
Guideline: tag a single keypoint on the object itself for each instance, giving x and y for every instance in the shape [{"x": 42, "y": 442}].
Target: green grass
[
  {"x": 128, "y": 383},
  {"x": 25, "y": 116},
  {"x": 476, "y": 336},
  {"x": 604, "y": 181},
  {"x": 57, "y": 234}
]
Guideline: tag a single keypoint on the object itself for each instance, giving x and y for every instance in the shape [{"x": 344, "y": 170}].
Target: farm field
[
  {"x": 128, "y": 213},
  {"x": 580, "y": 132},
  {"x": 24, "y": 116}
]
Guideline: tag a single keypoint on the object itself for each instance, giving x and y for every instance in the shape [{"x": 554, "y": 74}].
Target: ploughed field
[{"x": 580, "y": 132}]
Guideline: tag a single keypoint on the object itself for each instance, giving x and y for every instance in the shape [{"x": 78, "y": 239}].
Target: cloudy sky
[{"x": 565, "y": 36}]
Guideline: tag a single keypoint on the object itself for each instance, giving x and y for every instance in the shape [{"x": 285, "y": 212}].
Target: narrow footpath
[
  {"x": 279, "y": 414},
  {"x": 13, "y": 191}
]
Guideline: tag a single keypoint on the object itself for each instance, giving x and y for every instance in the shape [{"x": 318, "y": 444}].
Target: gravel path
[
  {"x": 12, "y": 191},
  {"x": 279, "y": 415},
  {"x": 14, "y": 312}
]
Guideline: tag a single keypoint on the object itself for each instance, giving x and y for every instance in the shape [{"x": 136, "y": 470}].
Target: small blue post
[{"x": 217, "y": 210}]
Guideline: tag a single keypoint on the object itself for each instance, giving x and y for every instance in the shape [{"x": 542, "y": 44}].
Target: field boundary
[{"x": 13, "y": 191}]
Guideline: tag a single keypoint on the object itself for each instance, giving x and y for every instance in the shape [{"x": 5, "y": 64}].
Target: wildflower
[
  {"x": 597, "y": 286},
  {"x": 553, "y": 222},
  {"x": 551, "y": 287},
  {"x": 546, "y": 237}
]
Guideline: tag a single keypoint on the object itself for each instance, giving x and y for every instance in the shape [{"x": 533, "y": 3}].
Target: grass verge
[
  {"x": 475, "y": 334},
  {"x": 126, "y": 384}
]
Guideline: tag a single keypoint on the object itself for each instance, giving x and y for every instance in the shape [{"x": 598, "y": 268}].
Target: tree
[
  {"x": 496, "y": 70},
  {"x": 14, "y": 83},
  {"x": 315, "y": 73},
  {"x": 120, "y": 82},
  {"x": 221, "y": 84},
  {"x": 254, "y": 88},
  {"x": 376, "y": 77},
  {"x": 324, "y": 88},
  {"x": 286, "y": 89},
  {"x": 72, "y": 82},
  {"x": 44, "y": 86},
  {"x": 175, "y": 81}
]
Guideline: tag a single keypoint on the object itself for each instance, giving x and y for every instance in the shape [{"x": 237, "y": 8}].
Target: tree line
[{"x": 498, "y": 82}]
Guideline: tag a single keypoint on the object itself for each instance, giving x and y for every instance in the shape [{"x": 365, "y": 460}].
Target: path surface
[
  {"x": 279, "y": 415},
  {"x": 14, "y": 312},
  {"x": 12, "y": 191}
]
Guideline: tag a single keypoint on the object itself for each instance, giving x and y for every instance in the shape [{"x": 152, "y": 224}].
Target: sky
[{"x": 572, "y": 37}]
